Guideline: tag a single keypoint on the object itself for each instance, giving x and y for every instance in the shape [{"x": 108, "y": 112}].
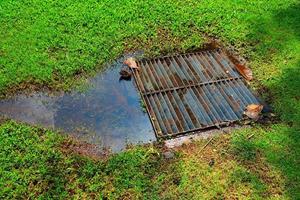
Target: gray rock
[{"x": 168, "y": 155}]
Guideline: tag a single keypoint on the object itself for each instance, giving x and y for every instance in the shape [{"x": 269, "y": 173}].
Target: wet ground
[{"x": 107, "y": 114}]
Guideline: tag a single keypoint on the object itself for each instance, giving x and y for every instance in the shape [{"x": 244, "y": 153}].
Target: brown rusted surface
[
  {"x": 74, "y": 146},
  {"x": 193, "y": 91}
]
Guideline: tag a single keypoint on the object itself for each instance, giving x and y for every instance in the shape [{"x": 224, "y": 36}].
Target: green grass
[
  {"x": 33, "y": 165},
  {"x": 36, "y": 162},
  {"x": 48, "y": 43}
]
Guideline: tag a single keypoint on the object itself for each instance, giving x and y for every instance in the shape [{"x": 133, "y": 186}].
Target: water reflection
[{"x": 107, "y": 114}]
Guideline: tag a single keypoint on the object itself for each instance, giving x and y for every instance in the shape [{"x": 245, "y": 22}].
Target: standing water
[{"x": 107, "y": 114}]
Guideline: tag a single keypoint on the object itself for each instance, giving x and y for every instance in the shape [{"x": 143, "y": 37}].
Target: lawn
[
  {"x": 53, "y": 44},
  {"x": 39, "y": 163}
]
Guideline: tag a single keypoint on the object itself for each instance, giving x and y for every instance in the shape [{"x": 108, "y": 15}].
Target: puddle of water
[{"x": 107, "y": 114}]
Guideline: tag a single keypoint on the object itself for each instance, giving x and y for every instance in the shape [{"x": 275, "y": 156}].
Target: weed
[{"x": 143, "y": 106}]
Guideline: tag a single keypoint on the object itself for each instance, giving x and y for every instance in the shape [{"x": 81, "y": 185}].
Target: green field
[{"x": 54, "y": 44}]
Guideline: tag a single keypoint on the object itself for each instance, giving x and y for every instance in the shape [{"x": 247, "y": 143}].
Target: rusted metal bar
[
  {"x": 235, "y": 86},
  {"x": 188, "y": 102},
  {"x": 211, "y": 94},
  {"x": 184, "y": 108},
  {"x": 197, "y": 105},
  {"x": 175, "y": 104},
  {"x": 164, "y": 110},
  {"x": 230, "y": 109},
  {"x": 227, "y": 83},
  {"x": 230, "y": 84},
  {"x": 153, "y": 120},
  {"x": 191, "y": 85},
  {"x": 168, "y": 101},
  {"x": 209, "y": 116},
  {"x": 200, "y": 91}
]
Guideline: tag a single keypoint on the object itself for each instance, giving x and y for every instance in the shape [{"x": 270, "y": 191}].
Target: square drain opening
[{"x": 190, "y": 92}]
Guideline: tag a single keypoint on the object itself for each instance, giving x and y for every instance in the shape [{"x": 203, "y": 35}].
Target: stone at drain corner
[
  {"x": 253, "y": 111},
  {"x": 131, "y": 62},
  {"x": 168, "y": 155}
]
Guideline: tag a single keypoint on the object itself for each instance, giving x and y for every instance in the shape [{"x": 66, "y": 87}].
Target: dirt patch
[
  {"x": 72, "y": 145},
  {"x": 3, "y": 120},
  {"x": 27, "y": 87}
]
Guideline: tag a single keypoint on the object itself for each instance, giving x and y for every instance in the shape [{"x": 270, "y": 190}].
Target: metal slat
[
  {"x": 168, "y": 113},
  {"x": 230, "y": 111},
  {"x": 220, "y": 98},
  {"x": 175, "y": 75},
  {"x": 167, "y": 109},
  {"x": 178, "y": 111},
  {"x": 154, "y": 121},
  {"x": 248, "y": 97},
  {"x": 200, "y": 74},
  {"x": 164, "y": 73},
  {"x": 202, "y": 91},
  {"x": 183, "y": 110},
  {"x": 174, "y": 114},
  {"x": 186, "y": 122},
  {"x": 163, "y": 114},
  {"x": 233, "y": 88},
  {"x": 172, "y": 84},
  {"x": 181, "y": 106},
  {"x": 224, "y": 60},
  {"x": 186, "y": 108},
  {"x": 158, "y": 115},
  {"x": 156, "y": 103},
  {"x": 145, "y": 79},
  {"x": 209, "y": 116},
  {"x": 207, "y": 109},
  {"x": 222, "y": 89},
  {"x": 148, "y": 73},
  {"x": 169, "y": 121},
  {"x": 211, "y": 95},
  {"x": 194, "y": 101}
]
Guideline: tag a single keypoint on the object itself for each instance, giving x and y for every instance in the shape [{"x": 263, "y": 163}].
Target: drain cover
[{"x": 191, "y": 92}]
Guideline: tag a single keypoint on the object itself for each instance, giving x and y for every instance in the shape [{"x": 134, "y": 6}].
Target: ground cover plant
[
  {"x": 37, "y": 163},
  {"x": 52, "y": 43},
  {"x": 49, "y": 43}
]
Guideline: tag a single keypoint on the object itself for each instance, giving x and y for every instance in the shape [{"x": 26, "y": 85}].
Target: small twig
[
  {"x": 249, "y": 137},
  {"x": 209, "y": 141}
]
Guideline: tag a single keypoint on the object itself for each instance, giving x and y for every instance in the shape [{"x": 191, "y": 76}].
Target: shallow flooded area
[{"x": 108, "y": 113}]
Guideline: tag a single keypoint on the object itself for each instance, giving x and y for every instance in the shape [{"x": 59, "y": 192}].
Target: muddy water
[{"x": 108, "y": 113}]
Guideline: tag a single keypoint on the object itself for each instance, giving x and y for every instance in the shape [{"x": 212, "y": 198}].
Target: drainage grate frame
[{"x": 190, "y": 92}]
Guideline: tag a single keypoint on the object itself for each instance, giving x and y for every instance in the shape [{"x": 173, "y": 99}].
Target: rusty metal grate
[{"x": 190, "y": 92}]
